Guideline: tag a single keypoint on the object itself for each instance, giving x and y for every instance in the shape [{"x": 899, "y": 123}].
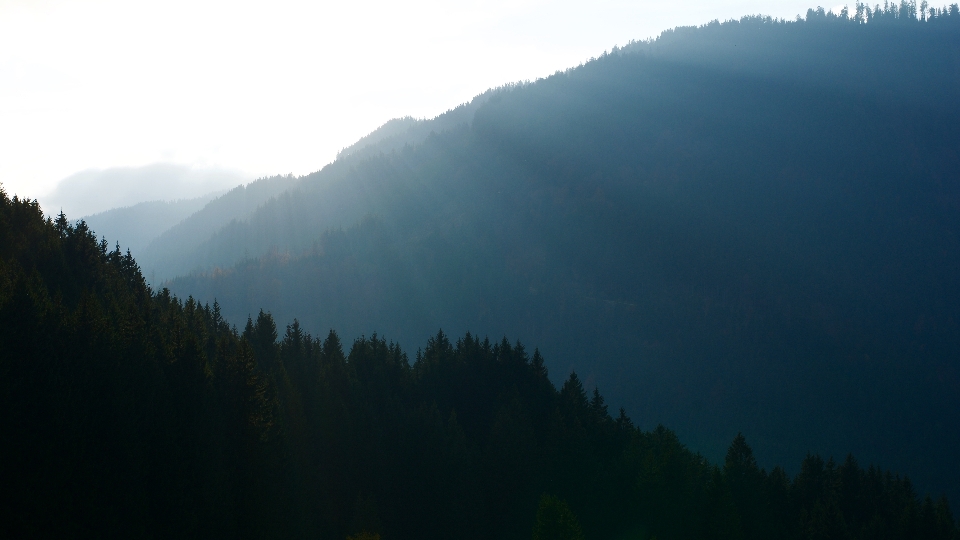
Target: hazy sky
[{"x": 277, "y": 87}]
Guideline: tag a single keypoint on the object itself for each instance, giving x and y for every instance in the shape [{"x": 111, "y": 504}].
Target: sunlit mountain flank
[{"x": 699, "y": 286}]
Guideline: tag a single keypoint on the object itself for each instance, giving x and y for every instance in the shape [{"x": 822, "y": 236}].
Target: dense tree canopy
[{"x": 130, "y": 413}]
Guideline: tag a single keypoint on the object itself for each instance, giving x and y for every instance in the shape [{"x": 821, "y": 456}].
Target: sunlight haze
[{"x": 281, "y": 87}]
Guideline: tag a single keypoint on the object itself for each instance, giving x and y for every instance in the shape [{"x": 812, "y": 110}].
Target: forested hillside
[
  {"x": 137, "y": 225},
  {"x": 131, "y": 413},
  {"x": 408, "y": 131},
  {"x": 175, "y": 249},
  {"x": 749, "y": 226}
]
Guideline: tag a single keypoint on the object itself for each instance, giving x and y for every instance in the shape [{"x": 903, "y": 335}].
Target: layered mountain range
[{"x": 749, "y": 226}]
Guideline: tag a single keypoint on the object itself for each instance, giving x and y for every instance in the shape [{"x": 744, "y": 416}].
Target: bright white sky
[{"x": 280, "y": 86}]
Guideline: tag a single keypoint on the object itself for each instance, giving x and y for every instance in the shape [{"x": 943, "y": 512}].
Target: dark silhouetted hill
[{"x": 128, "y": 412}]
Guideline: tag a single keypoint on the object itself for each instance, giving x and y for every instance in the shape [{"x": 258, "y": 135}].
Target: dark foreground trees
[{"x": 127, "y": 412}]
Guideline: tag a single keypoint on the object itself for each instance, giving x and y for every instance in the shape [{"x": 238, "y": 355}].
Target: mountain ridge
[{"x": 720, "y": 250}]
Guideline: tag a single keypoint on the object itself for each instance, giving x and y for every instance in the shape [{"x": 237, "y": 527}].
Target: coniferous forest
[
  {"x": 131, "y": 413},
  {"x": 736, "y": 236},
  {"x": 748, "y": 226}
]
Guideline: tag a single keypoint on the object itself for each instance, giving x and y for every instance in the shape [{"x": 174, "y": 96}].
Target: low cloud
[{"x": 92, "y": 191}]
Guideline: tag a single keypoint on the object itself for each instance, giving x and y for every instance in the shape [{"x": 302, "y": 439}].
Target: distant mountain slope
[
  {"x": 400, "y": 132},
  {"x": 94, "y": 191},
  {"x": 133, "y": 227},
  {"x": 170, "y": 252},
  {"x": 887, "y": 58},
  {"x": 762, "y": 238},
  {"x": 194, "y": 244}
]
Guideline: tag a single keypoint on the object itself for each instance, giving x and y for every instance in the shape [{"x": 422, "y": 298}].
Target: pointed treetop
[
  {"x": 572, "y": 391},
  {"x": 332, "y": 348},
  {"x": 248, "y": 328},
  {"x": 266, "y": 328},
  {"x": 739, "y": 456},
  {"x": 597, "y": 404},
  {"x": 538, "y": 366}
]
